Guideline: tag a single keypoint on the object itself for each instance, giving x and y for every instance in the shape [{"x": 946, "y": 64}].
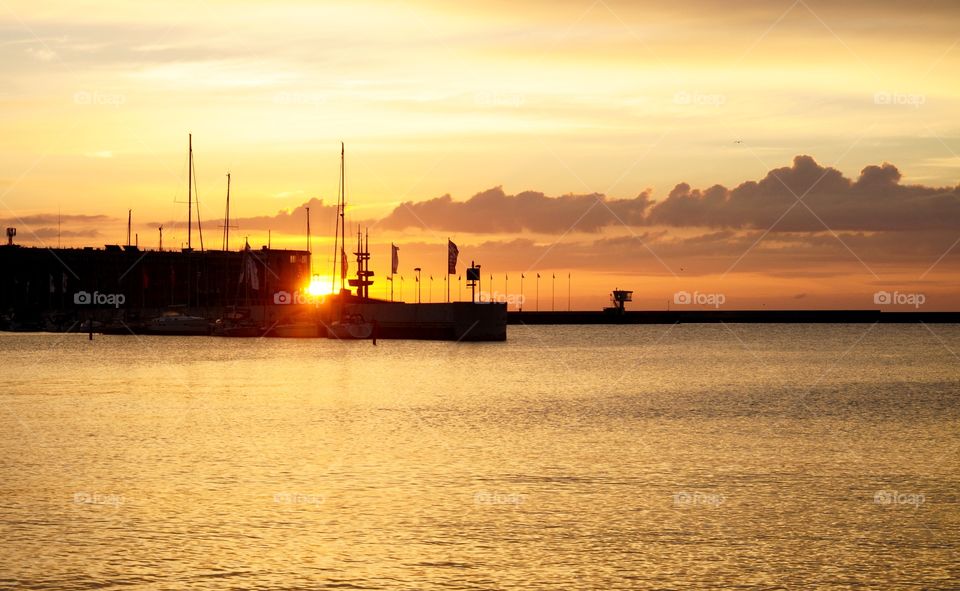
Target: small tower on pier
[
  {"x": 363, "y": 281},
  {"x": 619, "y": 299}
]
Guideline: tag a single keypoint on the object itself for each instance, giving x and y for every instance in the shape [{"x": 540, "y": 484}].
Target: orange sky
[{"x": 596, "y": 98}]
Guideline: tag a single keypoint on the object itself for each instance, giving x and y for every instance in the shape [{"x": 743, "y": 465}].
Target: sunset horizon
[
  {"x": 535, "y": 295},
  {"x": 578, "y": 100}
]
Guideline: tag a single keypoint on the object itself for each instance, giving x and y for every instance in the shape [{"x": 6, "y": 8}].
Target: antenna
[
  {"x": 161, "y": 238},
  {"x": 129, "y": 220}
]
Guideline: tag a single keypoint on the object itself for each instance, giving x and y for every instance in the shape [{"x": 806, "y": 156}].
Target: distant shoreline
[{"x": 734, "y": 316}]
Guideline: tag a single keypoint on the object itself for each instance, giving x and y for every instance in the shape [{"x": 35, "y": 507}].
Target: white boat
[{"x": 174, "y": 323}]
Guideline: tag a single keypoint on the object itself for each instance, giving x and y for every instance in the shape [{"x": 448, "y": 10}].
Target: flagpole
[
  {"x": 521, "y": 292},
  {"x": 537, "y": 301},
  {"x": 448, "y": 269},
  {"x": 553, "y": 292}
]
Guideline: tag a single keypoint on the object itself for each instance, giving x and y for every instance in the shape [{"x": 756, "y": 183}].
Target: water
[{"x": 693, "y": 456}]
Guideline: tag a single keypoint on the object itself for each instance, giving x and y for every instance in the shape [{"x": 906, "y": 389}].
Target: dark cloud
[
  {"x": 48, "y": 227},
  {"x": 876, "y": 201},
  {"x": 288, "y": 221},
  {"x": 54, "y": 219},
  {"x": 294, "y": 221},
  {"x": 494, "y": 211},
  {"x": 48, "y": 233}
]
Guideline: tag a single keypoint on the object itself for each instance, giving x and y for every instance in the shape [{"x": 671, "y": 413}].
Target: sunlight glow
[{"x": 318, "y": 286}]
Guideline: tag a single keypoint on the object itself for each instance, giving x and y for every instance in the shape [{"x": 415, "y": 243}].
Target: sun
[{"x": 319, "y": 287}]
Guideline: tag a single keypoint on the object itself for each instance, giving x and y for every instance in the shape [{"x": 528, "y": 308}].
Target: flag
[
  {"x": 538, "y": 275},
  {"x": 452, "y": 253},
  {"x": 522, "y": 276},
  {"x": 395, "y": 251},
  {"x": 252, "y": 275},
  {"x": 344, "y": 266}
]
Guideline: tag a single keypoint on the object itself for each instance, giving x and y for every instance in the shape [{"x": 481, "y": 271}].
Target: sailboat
[
  {"x": 175, "y": 322},
  {"x": 237, "y": 321},
  {"x": 350, "y": 325}
]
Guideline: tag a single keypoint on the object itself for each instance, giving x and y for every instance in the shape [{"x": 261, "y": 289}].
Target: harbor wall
[
  {"x": 458, "y": 321},
  {"x": 732, "y": 316}
]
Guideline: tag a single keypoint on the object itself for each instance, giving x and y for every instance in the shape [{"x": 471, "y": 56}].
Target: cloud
[
  {"x": 54, "y": 219},
  {"x": 803, "y": 197},
  {"x": 47, "y": 233},
  {"x": 875, "y": 201},
  {"x": 288, "y": 221},
  {"x": 41, "y": 54},
  {"x": 494, "y": 212}
]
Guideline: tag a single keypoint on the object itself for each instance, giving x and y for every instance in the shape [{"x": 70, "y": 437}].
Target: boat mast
[
  {"x": 190, "y": 193},
  {"x": 308, "y": 230},
  {"x": 226, "y": 219},
  {"x": 343, "y": 207},
  {"x": 309, "y": 246},
  {"x": 336, "y": 228},
  {"x": 197, "y": 194}
]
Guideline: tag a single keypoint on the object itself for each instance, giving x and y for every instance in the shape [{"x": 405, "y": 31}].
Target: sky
[{"x": 782, "y": 154}]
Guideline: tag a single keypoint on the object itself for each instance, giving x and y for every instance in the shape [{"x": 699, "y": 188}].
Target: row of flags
[{"x": 453, "y": 253}]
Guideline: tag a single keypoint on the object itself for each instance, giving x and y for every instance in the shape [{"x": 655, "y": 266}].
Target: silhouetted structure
[{"x": 38, "y": 282}]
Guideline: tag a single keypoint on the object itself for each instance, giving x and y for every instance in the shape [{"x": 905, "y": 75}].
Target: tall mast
[
  {"x": 196, "y": 194},
  {"x": 190, "y": 193},
  {"x": 336, "y": 229},
  {"x": 129, "y": 220},
  {"x": 308, "y": 230},
  {"x": 226, "y": 220},
  {"x": 343, "y": 207}
]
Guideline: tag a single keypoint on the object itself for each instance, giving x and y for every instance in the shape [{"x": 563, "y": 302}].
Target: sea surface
[{"x": 603, "y": 457}]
